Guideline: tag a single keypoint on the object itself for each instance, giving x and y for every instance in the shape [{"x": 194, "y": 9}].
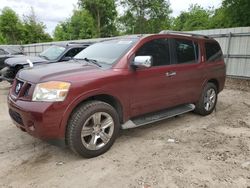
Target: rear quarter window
[{"x": 213, "y": 52}]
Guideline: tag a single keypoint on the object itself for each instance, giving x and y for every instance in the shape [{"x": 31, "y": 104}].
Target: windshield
[
  {"x": 52, "y": 53},
  {"x": 107, "y": 52},
  {"x": 13, "y": 50}
]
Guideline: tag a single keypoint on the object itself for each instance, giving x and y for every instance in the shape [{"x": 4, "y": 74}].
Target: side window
[
  {"x": 158, "y": 49},
  {"x": 187, "y": 51},
  {"x": 213, "y": 51},
  {"x": 72, "y": 52}
]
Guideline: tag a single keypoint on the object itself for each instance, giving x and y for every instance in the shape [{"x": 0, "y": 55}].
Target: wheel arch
[
  {"x": 211, "y": 80},
  {"x": 107, "y": 98},
  {"x": 215, "y": 82}
]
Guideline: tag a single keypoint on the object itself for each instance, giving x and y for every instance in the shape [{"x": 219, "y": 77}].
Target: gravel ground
[{"x": 186, "y": 151}]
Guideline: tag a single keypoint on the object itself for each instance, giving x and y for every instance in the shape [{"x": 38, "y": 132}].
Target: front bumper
[
  {"x": 39, "y": 119},
  {"x": 2, "y": 78}
]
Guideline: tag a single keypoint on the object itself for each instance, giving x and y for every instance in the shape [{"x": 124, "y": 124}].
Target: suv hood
[
  {"x": 63, "y": 71},
  {"x": 12, "y": 62}
]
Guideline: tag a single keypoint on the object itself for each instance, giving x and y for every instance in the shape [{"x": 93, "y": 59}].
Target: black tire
[
  {"x": 81, "y": 116},
  {"x": 200, "y": 106}
]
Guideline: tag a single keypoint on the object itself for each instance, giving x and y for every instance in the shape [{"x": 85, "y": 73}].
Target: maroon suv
[{"x": 117, "y": 84}]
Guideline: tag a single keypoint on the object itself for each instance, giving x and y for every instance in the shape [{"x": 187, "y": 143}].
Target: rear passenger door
[{"x": 188, "y": 70}]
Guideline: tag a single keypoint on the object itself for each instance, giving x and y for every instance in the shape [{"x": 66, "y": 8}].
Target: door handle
[{"x": 171, "y": 73}]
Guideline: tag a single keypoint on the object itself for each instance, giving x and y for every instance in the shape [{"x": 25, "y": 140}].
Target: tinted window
[
  {"x": 107, "y": 52},
  {"x": 213, "y": 51},
  {"x": 73, "y": 52},
  {"x": 158, "y": 49},
  {"x": 187, "y": 51}
]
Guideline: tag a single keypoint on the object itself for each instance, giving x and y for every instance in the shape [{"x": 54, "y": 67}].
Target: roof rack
[{"x": 184, "y": 33}]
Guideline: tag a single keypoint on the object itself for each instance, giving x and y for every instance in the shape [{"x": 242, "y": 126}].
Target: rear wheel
[
  {"x": 92, "y": 129},
  {"x": 208, "y": 100}
]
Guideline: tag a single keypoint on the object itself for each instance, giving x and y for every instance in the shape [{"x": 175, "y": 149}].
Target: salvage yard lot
[{"x": 186, "y": 151}]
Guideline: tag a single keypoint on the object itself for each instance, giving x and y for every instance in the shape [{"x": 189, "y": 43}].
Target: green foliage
[
  {"x": 219, "y": 19},
  {"x": 82, "y": 25},
  {"x": 34, "y": 31},
  {"x": 10, "y": 26},
  {"x": 79, "y": 26},
  {"x": 62, "y": 31},
  {"x": 104, "y": 14},
  {"x": 2, "y": 39},
  {"x": 145, "y": 16},
  {"x": 232, "y": 13},
  {"x": 15, "y": 31},
  {"x": 236, "y": 12},
  {"x": 99, "y": 18},
  {"x": 196, "y": 18}
]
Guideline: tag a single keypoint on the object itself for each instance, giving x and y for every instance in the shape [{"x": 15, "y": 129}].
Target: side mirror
[
  {"x": 66, "y": 58},
  {"x": 143, "y": 61}
]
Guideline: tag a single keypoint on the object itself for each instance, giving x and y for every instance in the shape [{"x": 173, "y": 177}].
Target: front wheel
[
  {"x": 92, "y": 129},
  {"x": 208, "y": 100}
]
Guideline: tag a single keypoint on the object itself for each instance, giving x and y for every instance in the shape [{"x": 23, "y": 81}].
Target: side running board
[{"x": 157, "y": 116}]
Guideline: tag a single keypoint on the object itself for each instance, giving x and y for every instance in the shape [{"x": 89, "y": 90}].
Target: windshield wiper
[
  {"x": 93, "y": 61},
  {"x": 43, "y": 56}
]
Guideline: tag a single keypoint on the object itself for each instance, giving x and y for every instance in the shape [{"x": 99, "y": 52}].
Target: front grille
[{"x": 16, "y": 117}]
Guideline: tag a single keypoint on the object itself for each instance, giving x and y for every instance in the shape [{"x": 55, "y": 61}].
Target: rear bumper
[{"x": 39, "y": 119}]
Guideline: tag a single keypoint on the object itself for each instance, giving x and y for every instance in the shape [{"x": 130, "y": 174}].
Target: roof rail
[
  {"x": 80, "y": 43},
  {"x": 184, "y": 33}
]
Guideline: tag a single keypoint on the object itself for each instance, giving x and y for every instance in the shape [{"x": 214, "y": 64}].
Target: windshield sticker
[{"x": 124, "y": 42}]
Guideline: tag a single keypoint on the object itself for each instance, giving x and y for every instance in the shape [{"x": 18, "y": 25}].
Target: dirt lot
[{"x": 186, "y": 151}]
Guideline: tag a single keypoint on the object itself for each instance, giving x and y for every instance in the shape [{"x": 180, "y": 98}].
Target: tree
[
  {"x": 34, "y": 31},
  {"x": 2, "y": 39},
  {"x": 237, "y": 12},
  {"x": 195, "y": 18},
  {"x": 82, "y": 25},
  {"x": 15, "y": 31},
  {"x": 145, "y": 16},
  {"x": 104, "y": 14},
  {"x": 62, "y": 31},
  {"x": 219, "y": 19},
  {"x": 79, "y": 26},
  {"x": 10, "y": 26}
]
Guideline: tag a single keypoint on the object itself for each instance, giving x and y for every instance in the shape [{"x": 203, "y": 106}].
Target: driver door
[{"x": 152, "y": 88}]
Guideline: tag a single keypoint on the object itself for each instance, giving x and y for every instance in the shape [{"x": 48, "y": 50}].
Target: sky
[{"x": 51, "y": 12}]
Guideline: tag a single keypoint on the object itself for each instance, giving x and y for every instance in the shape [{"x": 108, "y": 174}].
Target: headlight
[{"x": 51, "y": 91}]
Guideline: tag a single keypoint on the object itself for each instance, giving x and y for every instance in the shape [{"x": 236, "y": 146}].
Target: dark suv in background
[
  {"x": 55, "y": 53},
  {"x": 118, "y": 84},
  {"x": 9, "y": 52}
]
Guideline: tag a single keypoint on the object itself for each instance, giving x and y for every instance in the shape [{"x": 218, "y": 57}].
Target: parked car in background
[
  {"x": 9, "y": 52},
  {"x": 55, "y": 53},
  {"x": 118, "y": 84}
]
